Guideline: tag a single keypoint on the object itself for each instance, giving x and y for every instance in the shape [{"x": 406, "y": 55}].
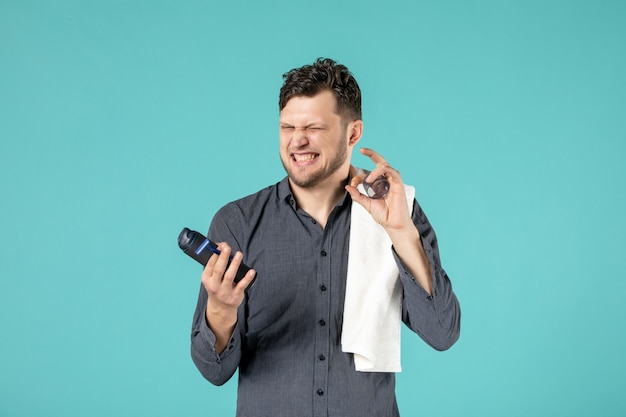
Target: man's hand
[
  {"x": 391, "y": 211},
  {"x": 225, "y": 295}
]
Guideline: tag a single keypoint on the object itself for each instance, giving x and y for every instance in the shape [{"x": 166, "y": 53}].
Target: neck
[{"x": 320, "y": 200}]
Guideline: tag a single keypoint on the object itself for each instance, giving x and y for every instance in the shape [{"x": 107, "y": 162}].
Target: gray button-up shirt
[{"x": 287, "y": 342}]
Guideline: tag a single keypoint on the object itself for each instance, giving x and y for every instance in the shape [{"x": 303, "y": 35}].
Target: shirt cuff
[
  {"x": 409, "y": 279},
  {"x": 208, "y": 337}
]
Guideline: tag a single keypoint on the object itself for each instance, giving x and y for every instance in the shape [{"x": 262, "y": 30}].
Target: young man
[{"x": 284, "y": 333}]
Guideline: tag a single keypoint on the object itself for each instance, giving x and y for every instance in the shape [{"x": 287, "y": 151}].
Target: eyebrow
[{"x": 307, "y": 126}]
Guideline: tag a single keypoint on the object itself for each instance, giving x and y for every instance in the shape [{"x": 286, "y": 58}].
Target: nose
[{"x": 299, "y": 137}]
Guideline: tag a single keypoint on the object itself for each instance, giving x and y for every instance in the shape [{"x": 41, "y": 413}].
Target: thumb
[{"x": 357, "y": 196}]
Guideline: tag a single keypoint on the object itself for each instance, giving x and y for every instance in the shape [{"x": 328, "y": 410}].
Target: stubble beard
[{"x": 315, "y": 178}]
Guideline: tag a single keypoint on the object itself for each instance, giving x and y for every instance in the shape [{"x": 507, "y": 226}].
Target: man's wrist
[
  {"x": 219, "y": 318},
  {"x": 407, "y": 236}
]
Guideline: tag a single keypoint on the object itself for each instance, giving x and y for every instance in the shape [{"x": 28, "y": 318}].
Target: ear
[{"x": 354, "y": 132}]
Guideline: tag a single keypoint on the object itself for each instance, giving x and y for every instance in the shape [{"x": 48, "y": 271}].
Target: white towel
[{"x": 372, "y": 315}]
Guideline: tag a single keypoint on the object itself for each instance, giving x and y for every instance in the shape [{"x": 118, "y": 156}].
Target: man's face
[{"x": 314, "y": 141}]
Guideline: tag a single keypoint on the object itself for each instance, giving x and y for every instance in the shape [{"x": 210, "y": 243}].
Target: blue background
[{"x": 123, "y": 121}]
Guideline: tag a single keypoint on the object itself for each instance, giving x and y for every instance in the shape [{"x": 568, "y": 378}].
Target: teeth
[{"x": 304, "y": 158}]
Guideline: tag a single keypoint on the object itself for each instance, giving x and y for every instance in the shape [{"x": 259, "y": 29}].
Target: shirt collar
[{"x": 285, "y": 193}]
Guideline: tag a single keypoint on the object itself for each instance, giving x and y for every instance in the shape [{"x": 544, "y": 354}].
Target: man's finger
[
  {"x": 231, "y": 272},
  {"x": 373, "y": 155},
  {"x": 246, "y": 280}
]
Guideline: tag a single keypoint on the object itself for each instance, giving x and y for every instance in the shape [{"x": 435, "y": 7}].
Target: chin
[{"x": 304, "y": 182}]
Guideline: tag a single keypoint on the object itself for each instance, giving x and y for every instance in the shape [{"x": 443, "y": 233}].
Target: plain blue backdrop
[{"x": 123, "y": 121}]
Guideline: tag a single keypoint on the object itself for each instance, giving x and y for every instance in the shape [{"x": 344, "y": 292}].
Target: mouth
[{"x": 304, "y": 158}]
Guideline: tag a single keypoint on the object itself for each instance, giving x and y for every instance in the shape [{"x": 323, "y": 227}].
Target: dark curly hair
[{"x": 324, "y": 74}]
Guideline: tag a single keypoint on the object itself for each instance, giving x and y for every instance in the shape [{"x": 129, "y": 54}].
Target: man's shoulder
[
  {"x": 254, "y": 202},
  {"x": 235, "y": 219}
]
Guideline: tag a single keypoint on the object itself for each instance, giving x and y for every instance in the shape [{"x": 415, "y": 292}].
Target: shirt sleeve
[
  {"x": 437, "y": 318},
  {"x": 216, "y": 367}
]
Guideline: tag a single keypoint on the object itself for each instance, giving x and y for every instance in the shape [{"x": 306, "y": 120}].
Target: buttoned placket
[
  {"x": 322, "y": 319},
  {"x": 323, "y": 333}
]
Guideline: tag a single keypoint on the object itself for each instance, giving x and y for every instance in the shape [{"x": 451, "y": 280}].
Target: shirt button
[
  {"x": 323, "y": 253},
  {"x": 322, "y": 323},
  {"x": 323, "y": 287},
  {"x": 320, "y": 392},
  {"x": 322, "y": 357},
  {"x": 313, "y": 221}
]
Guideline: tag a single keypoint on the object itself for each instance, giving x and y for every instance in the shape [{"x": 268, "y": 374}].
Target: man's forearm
[
  {"x": 222, "y": 324},
  {"x": 216, "y": 367},
  {"x": 408, "y": 246}
]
